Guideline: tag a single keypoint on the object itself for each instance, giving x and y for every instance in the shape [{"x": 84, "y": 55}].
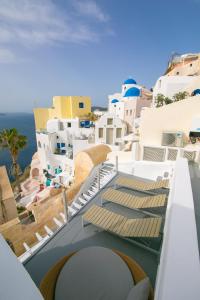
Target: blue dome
[
  {"x": 114, "y": 101},
  {"x": 132, "y": 92},
  {"x": 196, "y": 92},
  {"x": 130, "y": 81}
]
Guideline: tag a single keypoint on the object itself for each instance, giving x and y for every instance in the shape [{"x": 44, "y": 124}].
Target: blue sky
[{"x": 87, "y": 47}]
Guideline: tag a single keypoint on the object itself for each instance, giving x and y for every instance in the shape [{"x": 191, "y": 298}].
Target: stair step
[
  {"x": 87, "y": 197},
  {"x": 27, "y": 248},
  {"x": 57, "y": 222},
  {"x": 48, "y": 230},
  {"x": 63, "y": 216},
  {"x": 38, "y": 236},
  {"x": 76, "y": 205},
  {"x": 83, "y": 201},
  {"x": 72, "y": 210}
]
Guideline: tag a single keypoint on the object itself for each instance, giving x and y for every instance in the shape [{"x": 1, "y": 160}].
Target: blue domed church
[{"x": 127, "y": 105}]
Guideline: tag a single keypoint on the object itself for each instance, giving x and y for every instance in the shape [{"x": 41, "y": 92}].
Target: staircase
[
  {"x": 91, "y": 187},
  {"x": 98, "y": 178}
]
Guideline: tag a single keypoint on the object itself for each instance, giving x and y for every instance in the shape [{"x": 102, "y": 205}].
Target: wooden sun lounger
[
  {"x": 133, "y": 202},
  {"x": 122, "y": 226},
  {"x": 136, "y": 184}
]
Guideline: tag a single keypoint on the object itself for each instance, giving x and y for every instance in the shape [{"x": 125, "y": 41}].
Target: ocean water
[{"x": 24, "y": 123}]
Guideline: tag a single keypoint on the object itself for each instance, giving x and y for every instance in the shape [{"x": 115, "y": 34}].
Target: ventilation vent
[
  {"x": 190, "y": 155},
  {"x": 154, "y": 154},
  {"x": 172, "y": 154},
  {"x": 173, "y": 139}
]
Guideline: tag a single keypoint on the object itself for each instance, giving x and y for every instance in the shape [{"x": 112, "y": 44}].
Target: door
[{"x": 109, "y": 136}]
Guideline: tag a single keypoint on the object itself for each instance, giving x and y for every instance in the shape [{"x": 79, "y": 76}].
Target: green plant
[
  {"x": 168, "y": 101},
  {"x": 20, "y": 209},
  {"x": 92, "y": 117},
  {"x": 14, "y": 142},
  {"x": 180, "y": 96},
  {"x": 160, "y": 100}
]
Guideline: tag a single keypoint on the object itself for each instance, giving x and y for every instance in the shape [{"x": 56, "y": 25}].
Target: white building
[
  {"x": 58, "y": 146},
  {"x": 127, "y": 105},
  {"x": 170, "y": 85},
  {"x": 182, "y": 74},
  {"x": 110, "y": 130}
]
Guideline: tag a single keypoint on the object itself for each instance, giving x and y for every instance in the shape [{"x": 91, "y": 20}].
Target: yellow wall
[
  {"x": 41, "y": 116},
  {"x": 64, "y": 107},
  {"x": 177, "y": 116}
]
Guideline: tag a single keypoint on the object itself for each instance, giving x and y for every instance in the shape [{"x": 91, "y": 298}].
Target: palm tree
[{"x": 14, "y": 142}]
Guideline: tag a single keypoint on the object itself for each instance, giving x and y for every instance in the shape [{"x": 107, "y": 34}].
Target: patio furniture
[
  {"x": 132, "y": 201},
  {"x": 139, "y": 185},
  {"x": 122, "y": 226},
  {"x": 48, "y": 283}
]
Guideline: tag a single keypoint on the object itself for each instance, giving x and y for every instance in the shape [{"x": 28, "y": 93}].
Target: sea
[{"x": 24, "y": 123}]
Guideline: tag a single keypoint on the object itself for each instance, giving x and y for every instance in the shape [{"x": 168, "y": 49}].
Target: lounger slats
[
  {"x": 141, "y": 185},
  {"x": 133, "y": 202},
  {"x": 122, "y": 226}
]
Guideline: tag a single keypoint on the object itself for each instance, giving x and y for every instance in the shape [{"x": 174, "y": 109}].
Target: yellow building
[{"x": 64, "y": 107}]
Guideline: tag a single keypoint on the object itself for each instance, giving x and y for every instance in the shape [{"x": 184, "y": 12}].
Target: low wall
[
  {"x": 172, "y": 117},
  {"x": 16, "y": 283},
  {"x": 179, "y": 269}
]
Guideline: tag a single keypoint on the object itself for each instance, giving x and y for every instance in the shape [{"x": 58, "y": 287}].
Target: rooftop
[{"x": 73, "y": 237}]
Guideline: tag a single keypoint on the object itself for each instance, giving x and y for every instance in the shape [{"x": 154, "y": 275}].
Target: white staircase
[
  {"x": 88, "y": 190},
  {"x": 91, "y": 187}
]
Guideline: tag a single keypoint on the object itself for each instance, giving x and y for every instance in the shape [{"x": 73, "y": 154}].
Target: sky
[{"x": 88, "y": 47}]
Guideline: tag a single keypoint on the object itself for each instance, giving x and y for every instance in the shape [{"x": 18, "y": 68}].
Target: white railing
[
  {"x": 166, "y": 153},
  {"x": 179, "y": 269},
  {"x": 85, "y": 186}
]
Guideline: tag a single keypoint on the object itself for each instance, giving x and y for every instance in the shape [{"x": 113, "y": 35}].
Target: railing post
[
  {"x": 65, "y": 204},
  {"x": 98, "y": 179},
  {"x": 116, "y": 163}
]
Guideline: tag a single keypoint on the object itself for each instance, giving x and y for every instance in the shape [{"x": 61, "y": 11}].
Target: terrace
[{"x": 178, "y": 261}]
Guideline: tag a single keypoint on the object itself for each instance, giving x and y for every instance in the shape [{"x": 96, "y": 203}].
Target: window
[
  {"x": 69, "y": 124},
  {"x": 177, "y": 73},
  {"x": 48, "y": 167},
  {"x": 131, "y": 112},
  {"x": 61, "y": 126},
  {"x": 62, "y": 144},
  {"x": 109, "y": 121},
  {"x": 58, "y": 145},
  {"x": 39, "y": 144},
  {"x": 81, "y": 105},
  {"x": 100, "y": 133},
  {"x": 190, "y": 65},
  {"x": 118, "y": 133}
]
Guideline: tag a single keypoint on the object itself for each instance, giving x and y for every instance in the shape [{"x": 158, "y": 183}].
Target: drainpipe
[
  {"x": 116, "y": 163},
  {"x": 98, "y": 179}
]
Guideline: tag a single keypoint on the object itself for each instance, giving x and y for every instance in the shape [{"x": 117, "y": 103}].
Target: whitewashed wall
[
  {"x": 15, "y": 282},
  {"x": 179, "y": 269}
]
